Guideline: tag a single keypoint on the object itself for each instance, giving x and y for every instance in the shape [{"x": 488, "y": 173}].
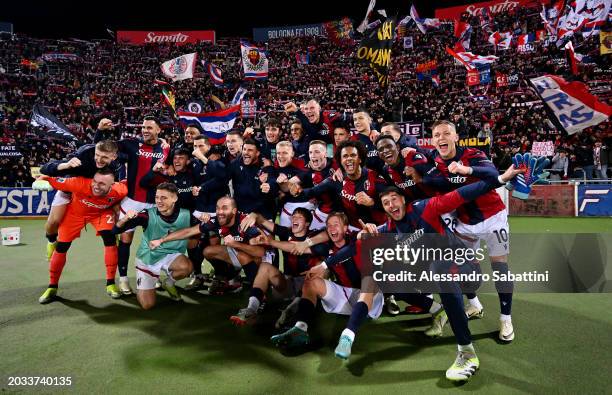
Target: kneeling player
[
  {"x": 158, "y": 222},
  {"x": 343, "y": 296},
  {"x": 286, "y": 284},
  {"x": 91, "y": 203}
]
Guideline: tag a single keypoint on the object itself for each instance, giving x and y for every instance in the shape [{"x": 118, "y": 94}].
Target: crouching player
[
  {"x": 344, "y": 296},
  {"x": 424, "y": 216},
  {"x": 92, "y": 202},
  {"x": 286, "y": 284},
  {"x": 158, "y": 222}
]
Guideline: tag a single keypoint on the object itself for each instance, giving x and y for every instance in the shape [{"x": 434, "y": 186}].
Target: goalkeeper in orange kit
[{"x": 92, "y": 203}]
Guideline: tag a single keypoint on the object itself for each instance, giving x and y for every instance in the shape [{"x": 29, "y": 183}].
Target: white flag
[{"x": 180, "y": 68}]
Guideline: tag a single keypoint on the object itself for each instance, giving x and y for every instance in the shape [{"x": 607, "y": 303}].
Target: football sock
[{"x": 504, "y": 288}]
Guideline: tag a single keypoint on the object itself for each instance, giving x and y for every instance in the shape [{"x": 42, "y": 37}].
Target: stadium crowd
[{"x": 112, "y": 80}]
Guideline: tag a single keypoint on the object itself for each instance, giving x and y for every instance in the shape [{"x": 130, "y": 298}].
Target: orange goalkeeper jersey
[{"x": 83, "y": 202}]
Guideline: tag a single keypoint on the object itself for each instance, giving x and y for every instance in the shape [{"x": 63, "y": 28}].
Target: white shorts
[
  {"x": 147, "y": 275},
  {"x": 494, "y": 231},
  {"x": 285, "y": 217},
  {"x": 131, "y": 204},
  {"x": 340, "y": 300},
  {"x": 61, "y": 199},
  {"x": 318, "y": 219}
]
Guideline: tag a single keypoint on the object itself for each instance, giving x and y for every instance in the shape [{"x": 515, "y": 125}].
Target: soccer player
[
  {"x": 85, "y": 162},
  {"x": 267, "y": 145},
  {"x": 318, "y": 169},
  {"x": 485, "y": 218},
  {"x": 288, "y": 172},
  {"x": 233, "y": 145},
  {"x": 345, "y": 296},
  {"x": 286, "y": 284},
  {"x": 358, "y": 190},
  {"x": 299, "y": 140},
  {"x": 316, "y": 122},
  {"x": 234, "y": 254},
  {"x": 362, "y": 122},
  {"x": 141, "y": 158},
  {"x": 91, "y": 203},
  {"x": 407, "y": 180},
  {"x": 254, "y": 186},
  {"x": 168, "y": 256},
  {"x": 210, "y": 185},
  {"x": 424, "y": 216}
]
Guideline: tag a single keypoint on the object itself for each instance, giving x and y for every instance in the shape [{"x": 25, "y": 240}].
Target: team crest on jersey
[
  {"x": 366, "y": 185},
  {"x": 111, "y": 199}
]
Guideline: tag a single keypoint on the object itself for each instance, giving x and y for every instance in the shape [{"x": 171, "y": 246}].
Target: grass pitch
[{"x": 563, "y": 341}]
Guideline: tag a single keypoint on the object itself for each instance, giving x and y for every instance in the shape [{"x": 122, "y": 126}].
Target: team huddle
[{"x": 286, "y": 216}]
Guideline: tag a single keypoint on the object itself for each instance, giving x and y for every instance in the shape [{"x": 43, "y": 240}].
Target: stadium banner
[
  {"x": 546, "y": 201},
  {"x": 594, "y": 200},
  {"x": 543, "y": 148},
  {"x": 10, "y": 151},
  {"x": 60, "y": 57},
  {"x": 475, "y": 9},
  {"x": 142, "y": 37},
  {"x": 264, "y": 34},
  {"x": 411, "y": 129},
  {"x": 483, "y": 144},
  {"x": 25, "y": 202}
]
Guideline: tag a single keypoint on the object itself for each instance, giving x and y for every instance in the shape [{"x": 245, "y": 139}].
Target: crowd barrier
[{"x": 556, "y": 200}]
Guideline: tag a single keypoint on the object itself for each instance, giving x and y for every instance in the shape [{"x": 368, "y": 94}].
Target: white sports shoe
[
  {"x": 506, "y": 331},
  {"x": 466, "y": 364},
  {"x": 473, "y": 312},
  {"x": 437, "y": 325},
  {"x": 124, "y": 287}
]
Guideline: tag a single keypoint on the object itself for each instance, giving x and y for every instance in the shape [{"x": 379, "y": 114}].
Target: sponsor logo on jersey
[
  {"x": 149, "y": 154},
  {"x": 347, "y": 196}
]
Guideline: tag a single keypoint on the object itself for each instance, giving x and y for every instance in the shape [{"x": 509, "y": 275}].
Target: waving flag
[
  {"x": 424, "y": 24},
  {"x": 180, "y": 68},
  {"x": 41, "y": 117},
  {"x": 363, "y": 26},
  {"x": 595, "y": 13},
  {"x": 214, "y": 72},
  {"x": 254, "y": 61},
  {"x": 463, "y": 33},
  {"x": 215, "y": 124},
  {"x": 168, "y": 96},
  {"x": 571, "y": 105},
  {"x": 572, "y": 57},
  {"x": 470, "y": 60},
  {"x": 501, "y": 40},
  {"x": 238, "y": 96}
]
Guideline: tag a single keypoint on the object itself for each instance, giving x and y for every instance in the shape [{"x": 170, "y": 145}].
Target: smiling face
[
  {"x": 150, "y": 130},
  {"x": 179, "y": 162},
  {"x": 190, "y": 133},
  {"x": 165, "y": 201},
  {"x": 350, "y": 161},
  {"x": 284, "y": 155},
  {"x": 387, "y": 151},
  {"x": 362, "y": 121},
  {"x": 250, "y": 154},
  {"x": 226, "y": 211},
  {"x": 103, "y": 158},
  {"x": 102, "y": 184},
  {"x": 336, "y": 229},
  {"x": 272, "y": 134},
  {"x": 312, "y": 111},
  {"x": 394, "y": 205},
  {"x": 299, "y": 226},
  {"x": 318, "y": 156},
  {"x": 444, "y": 138}
]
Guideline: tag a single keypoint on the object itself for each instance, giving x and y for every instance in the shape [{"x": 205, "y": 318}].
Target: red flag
[{"x": 569, "y": 48}]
